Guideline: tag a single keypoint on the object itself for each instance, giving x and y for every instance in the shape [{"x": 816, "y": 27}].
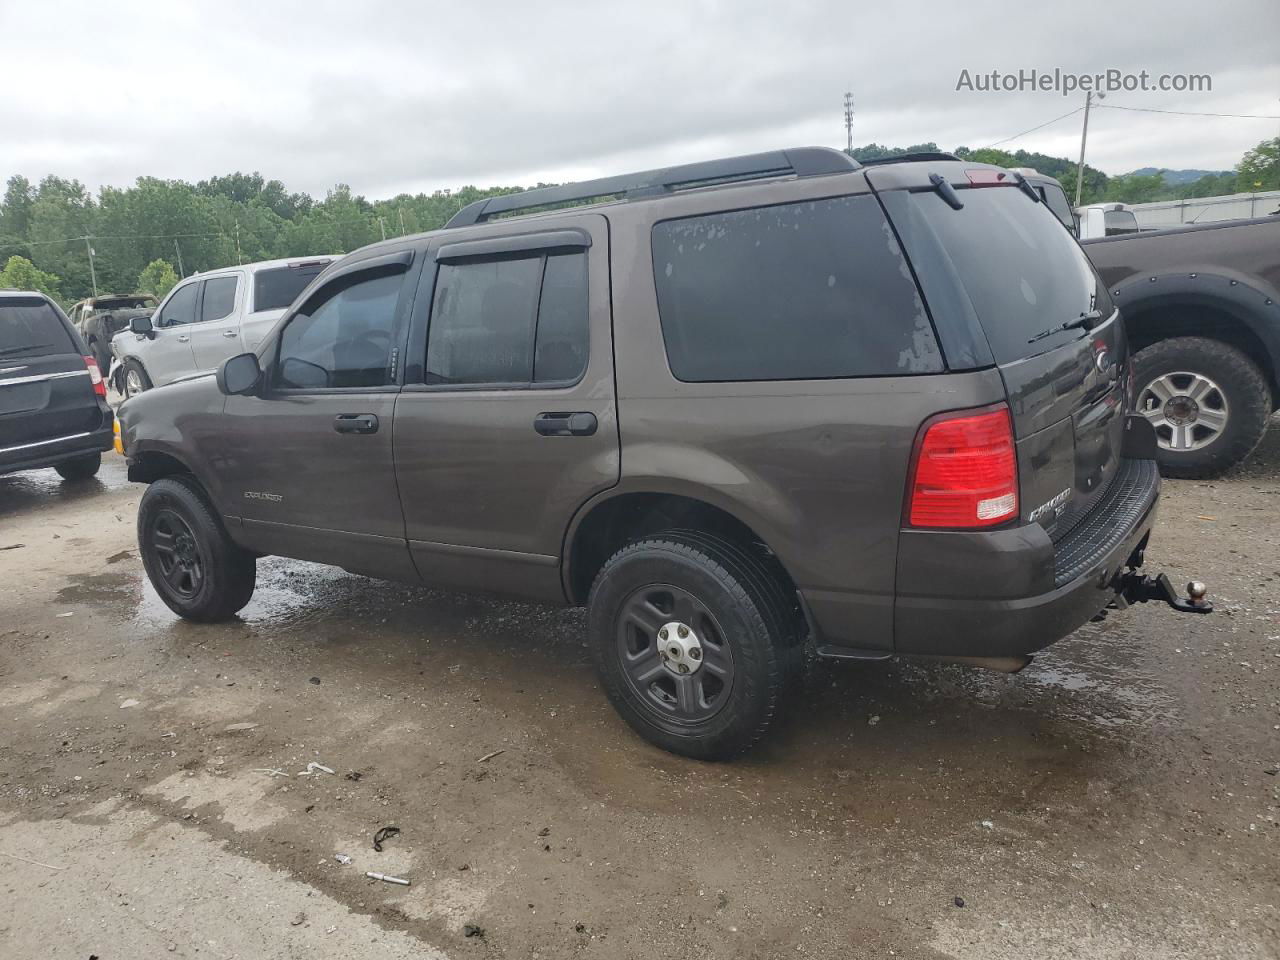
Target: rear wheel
[
  {"x": 695, "y": 643},
  {"x": 135, "y": 378},
  {"x": 198, "y": 571},
  {"x": 1208, "y": 402},
  {"x": 81, "y": 468}
]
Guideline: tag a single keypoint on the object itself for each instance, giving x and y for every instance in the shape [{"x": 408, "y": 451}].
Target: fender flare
[{"x": 1238, "y": 295}]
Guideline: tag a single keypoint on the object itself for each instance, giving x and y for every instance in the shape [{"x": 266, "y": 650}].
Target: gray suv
[{"x": 739, "y": 409}]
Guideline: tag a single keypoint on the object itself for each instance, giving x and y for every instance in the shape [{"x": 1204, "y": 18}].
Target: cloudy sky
[{"x": 415, "y": 95}]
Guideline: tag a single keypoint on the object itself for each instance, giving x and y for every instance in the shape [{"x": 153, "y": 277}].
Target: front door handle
[
  {"x": 230, "y": 334},
  {"x": 580, "y": 424},
  {"x": 355, "y": 423},
  {"x": 183, "y": 338}
]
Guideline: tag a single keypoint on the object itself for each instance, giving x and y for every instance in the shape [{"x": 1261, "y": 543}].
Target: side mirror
[
  {"x": 142, "y": 326},
  {"x": 240, "y": 375}
]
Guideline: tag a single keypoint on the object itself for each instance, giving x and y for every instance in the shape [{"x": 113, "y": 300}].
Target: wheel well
[
  {"x": 613, "y": 524},
  {"x": 1164, "y": 322},
  {"x": 151, "y": 465}
]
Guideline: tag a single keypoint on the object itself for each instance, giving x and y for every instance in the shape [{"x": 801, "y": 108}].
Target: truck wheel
[
  {"x": 1208, "y": 402},
  {"x": 81, "y": 468},
  {"x": 198, "y": 571},
  {"x": 694, "y": 643},
  {"x": 135, "y": 378}
]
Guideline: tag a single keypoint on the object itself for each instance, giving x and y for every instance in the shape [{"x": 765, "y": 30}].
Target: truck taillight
[
  {"x": 965, "y": 472},
  {"x": 95, "y": 377}
]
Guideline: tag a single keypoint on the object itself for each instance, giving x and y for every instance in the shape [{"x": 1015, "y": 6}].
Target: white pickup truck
[{"x": 205, "y": 319}]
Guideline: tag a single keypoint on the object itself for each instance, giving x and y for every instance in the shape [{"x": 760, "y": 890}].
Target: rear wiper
[
  {"x": 1026, "y": 187},
  {"x": 24, "y": 347},
  {"x": 1085, "y": 320}
]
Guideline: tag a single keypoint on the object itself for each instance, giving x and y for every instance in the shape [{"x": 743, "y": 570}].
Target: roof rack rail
[
  {"x": 800, "y": 162},
  {"x": 911, "y": 158}
]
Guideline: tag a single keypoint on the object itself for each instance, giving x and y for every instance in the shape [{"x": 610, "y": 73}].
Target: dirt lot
[{"x": 1118, "y": 798}]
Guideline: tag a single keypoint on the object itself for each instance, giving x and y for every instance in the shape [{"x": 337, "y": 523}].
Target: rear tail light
[
  {"x": 95, "y": 377},
  {"x": 965, "y": 472}
]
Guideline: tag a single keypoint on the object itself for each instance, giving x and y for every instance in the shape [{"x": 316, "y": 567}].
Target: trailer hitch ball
[{"x": 1196, "y": 590}]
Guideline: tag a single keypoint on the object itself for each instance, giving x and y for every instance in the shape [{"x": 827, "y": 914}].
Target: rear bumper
[
  {"x": 1012, "y": 592},
  {"x": 55, "y": 450}
]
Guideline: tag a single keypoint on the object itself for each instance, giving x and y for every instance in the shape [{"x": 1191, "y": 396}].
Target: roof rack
[
  {"x": 800, "y": 162},
  {"x": 910, "y": 158}
]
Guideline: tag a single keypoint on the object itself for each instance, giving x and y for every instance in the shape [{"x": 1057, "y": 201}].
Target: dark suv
[
  {"x": 738, "y": 406},
  {"x": 53, "y": 403}
]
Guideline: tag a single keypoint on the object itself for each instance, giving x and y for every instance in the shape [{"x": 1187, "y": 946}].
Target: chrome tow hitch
[{"x": 1136, "y": 588}]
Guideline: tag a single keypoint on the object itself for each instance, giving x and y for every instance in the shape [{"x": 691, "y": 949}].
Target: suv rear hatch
[
  {"x": 1007, "y": 285},
  {"x": 46, "y": 391}
]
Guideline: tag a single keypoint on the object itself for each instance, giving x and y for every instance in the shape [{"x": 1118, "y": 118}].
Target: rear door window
[
  {"x": 799, "y": 291},
  {"x": 219, "y": 298},
  {"x": 1056, "y": 201},
  {"x": 181, "y": 308},
  {"x": 510, "y": 321},
  {"x": 30, "y": 326}
]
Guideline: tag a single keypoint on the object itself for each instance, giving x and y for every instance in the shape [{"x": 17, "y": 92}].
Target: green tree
[
  {"x": 157, "y": 278},
  {"x": 21, "y": 274},
  {"x": 1137, "y": 188},
  {"x": 15, "y": 209},
  {"x": 1259, "y": 168}
]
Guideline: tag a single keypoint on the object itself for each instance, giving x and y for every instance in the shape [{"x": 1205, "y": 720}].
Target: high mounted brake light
[
  {"x": 965, "y": 472},
  {"x": 990, "y": 178},
  {"x": 95, "y": 377}
]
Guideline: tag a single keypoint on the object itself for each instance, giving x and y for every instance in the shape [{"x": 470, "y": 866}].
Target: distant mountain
[{"x": 1173, "y": 177}]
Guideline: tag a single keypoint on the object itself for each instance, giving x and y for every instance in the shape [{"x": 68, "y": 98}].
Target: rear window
[
  {"x": 1022, "y": 272},
  {"x": 29, "y": 325},
  {"x": 276, "y": 288},
  {"x": 1120, "y": 222},
  {"x": 798, "y": 291}
]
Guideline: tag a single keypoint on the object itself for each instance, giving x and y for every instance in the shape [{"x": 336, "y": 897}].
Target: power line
[
  {"x": 370, "y": 219},
  {"x": 1192, "y": 113},
  {"x": 1034, "y": 129}
]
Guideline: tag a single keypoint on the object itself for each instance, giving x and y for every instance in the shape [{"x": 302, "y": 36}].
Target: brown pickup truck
[{"x": 1202, "y": 307}]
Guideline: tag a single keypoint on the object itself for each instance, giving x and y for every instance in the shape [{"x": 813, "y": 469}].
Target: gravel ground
[{"x": 1118, "y": 798}]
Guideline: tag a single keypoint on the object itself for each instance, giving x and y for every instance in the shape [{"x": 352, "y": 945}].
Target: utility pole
[
  {"x": 93, "y": 274},
  {"x": 848, "y": 120},
  {"x": 1084, "y": 135},
  {"x": 178, "y": 250},
  {"x": 239, "y": 259}
]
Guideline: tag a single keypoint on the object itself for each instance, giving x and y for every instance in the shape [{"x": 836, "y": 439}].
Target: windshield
[
  {"x": 278, "y": 287},
  {"x": 1022, "y": 272},
  {"x": 29, "y": 325},
  {"x": 124, "y": 303}
]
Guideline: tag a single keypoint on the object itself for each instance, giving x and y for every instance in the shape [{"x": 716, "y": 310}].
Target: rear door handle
[
  {"x": 230, "y": 334},
  {"x": 355, "y": 423},
  {"x": 183, "y": 338},
  {"x": 580, "y": 424}
]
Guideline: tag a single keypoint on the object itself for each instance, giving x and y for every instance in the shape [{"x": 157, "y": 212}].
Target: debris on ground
[
  {"x": 958, "y": 901},
  {"x": 299, "y": 920},
  {"x": 14, "y": 856},
  {"x": 353, "y": 776},
  {"x": 489, "y": 756},
  {"x": 237, "y": 727},
  {"x": 544, "y": 832},
  {"x": 386, "y": 879},
  {"x": 384, "y": 833},
  {"x": 69, "y": 613},
  {"x": 125, "y": 705},
  {"x": 342, "y": 858},
  {"x": 314, "y": 767},
  {"x": 471, "y": 930},
  {"x": 122, "y": 555},
  {"x": 14, "y": 546},
  {"x": 988, "y": 825},
  {"x": 872, "y": 721},
  {"x": 316, "y": 681},
  {"x": 270, "y": 771}
]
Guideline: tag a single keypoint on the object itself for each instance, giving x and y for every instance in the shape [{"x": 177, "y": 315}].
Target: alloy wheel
[{"x": 1188, "y": 410}]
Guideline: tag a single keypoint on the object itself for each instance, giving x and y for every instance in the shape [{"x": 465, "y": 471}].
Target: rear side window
[
  {"x": 276, "y": 288},
  {"x": 799, "y": 291},
  {"x": 30, "y": 325},
  {"x": 219, "y": 298},
  {"x": 509, "y": 321},
  {"x": 1056, "y": 201}
]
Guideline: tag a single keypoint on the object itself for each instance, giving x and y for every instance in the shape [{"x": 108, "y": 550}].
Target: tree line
[{"x": 145, "y": 237}]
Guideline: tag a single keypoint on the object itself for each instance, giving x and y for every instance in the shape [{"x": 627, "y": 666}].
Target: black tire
[
  {"x": 81, "y": 468},
  {"x": 133, "y": 367},
  {"x": 1242, "y": 391},
  {"x": 101, "y": 354},
  {"x": 742, "y": 602},
  {"x": 198, "y": 571}
]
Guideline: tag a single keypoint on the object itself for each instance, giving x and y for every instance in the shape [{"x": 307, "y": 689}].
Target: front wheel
[
  {"x": 136, "y": 380},
  {"x": 196, "y": 568},
  {"x": 695, "y": 642},
  {"x": 1208, "y": 402},
  {"x": 81, "y": 468}
]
